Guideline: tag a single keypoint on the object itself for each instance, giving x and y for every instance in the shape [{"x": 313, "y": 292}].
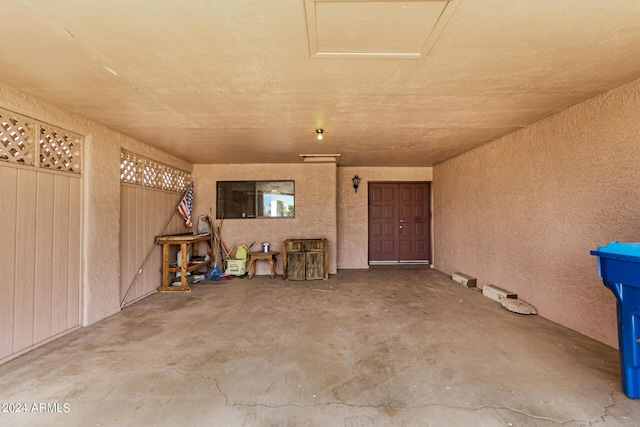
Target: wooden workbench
[{"x": 188, "y": 245}]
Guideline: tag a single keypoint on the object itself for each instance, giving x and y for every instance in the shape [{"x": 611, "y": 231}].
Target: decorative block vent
[
  {"x": 138, "y": 170},
  {"x": 57, "y": 149}
]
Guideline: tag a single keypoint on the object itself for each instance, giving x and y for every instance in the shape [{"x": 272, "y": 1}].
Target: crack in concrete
[
  {"x": 226, "y": 398},
  {"x": 178, "y": 371},
  {"x": 206, "y": 377},
  {"x": 428, "y": 405},
  {"x": 379, "y": 407},
  {"x": 605, "y": 410}
]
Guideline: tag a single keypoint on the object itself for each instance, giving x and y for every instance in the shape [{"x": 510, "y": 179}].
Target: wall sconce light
[
  {"x": 356, "y": 182},
  {"x": 319, "y": 132}
]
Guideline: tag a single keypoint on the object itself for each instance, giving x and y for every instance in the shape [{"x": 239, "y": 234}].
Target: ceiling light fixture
[{"x": 319, "y": 132}]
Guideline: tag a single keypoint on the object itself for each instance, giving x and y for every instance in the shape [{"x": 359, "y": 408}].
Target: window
[{"x": 255, "y": 199}]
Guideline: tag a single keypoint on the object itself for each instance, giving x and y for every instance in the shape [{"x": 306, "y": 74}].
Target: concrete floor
[{"x": 365, "y": 348}]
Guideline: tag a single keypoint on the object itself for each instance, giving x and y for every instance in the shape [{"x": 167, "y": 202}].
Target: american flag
[{"x": 186, "y": 206}]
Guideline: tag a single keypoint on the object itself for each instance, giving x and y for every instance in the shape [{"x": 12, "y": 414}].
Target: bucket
[{"x": 265, "y": 247}]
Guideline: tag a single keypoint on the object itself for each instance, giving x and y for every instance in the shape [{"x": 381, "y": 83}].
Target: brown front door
[{"x": 399, "y": 222}]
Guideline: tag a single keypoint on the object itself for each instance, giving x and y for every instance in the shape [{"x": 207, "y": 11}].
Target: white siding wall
[
  {"x": 40, "y": 257},
  {"x": 143, "y": 213}
]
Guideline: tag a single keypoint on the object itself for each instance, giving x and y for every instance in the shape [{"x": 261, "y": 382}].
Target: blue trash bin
[{"x": 619, "y": 267}]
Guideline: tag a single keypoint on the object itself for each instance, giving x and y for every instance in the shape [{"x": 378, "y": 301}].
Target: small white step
[
  {"x": 495, "y": 293},
  {"x": 464, "y": 280}
]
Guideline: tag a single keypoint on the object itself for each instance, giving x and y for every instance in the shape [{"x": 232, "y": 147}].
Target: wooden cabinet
[{"x": 305, "y": 259}]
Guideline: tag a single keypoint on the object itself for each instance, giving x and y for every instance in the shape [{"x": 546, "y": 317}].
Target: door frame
[{"x": 429, "y": 225}]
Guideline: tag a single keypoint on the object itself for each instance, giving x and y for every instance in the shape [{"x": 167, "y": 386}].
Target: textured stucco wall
[
  {"x": 101, "y": 196},
  {"x": 315, "y": 201},
  {"x": 353, "y": 233},
  {"x": 524, "y": 211}
]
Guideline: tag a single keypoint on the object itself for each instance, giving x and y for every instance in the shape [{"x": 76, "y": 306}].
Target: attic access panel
[{"x": 375, "y": 29}]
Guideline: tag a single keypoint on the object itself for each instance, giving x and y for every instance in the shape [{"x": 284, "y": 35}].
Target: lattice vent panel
[
  {"x": 56, "y": 149},
  {"x": 139, "y": 170},
  {"x": 151, "y": 174},
  {"x": 16, "y": 139},
  {"x": 167, "y": 179},
  {"x": 182, "y": 181},
  {"x": 59, "y": 150},
  {"x": 130, "y": 168}
]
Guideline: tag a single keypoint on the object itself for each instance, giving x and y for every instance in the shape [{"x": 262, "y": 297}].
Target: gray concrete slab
[{"x": 366, "y": 348}]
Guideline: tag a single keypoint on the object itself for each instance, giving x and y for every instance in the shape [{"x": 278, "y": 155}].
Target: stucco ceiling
[{"x": 238, "y": 82}]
